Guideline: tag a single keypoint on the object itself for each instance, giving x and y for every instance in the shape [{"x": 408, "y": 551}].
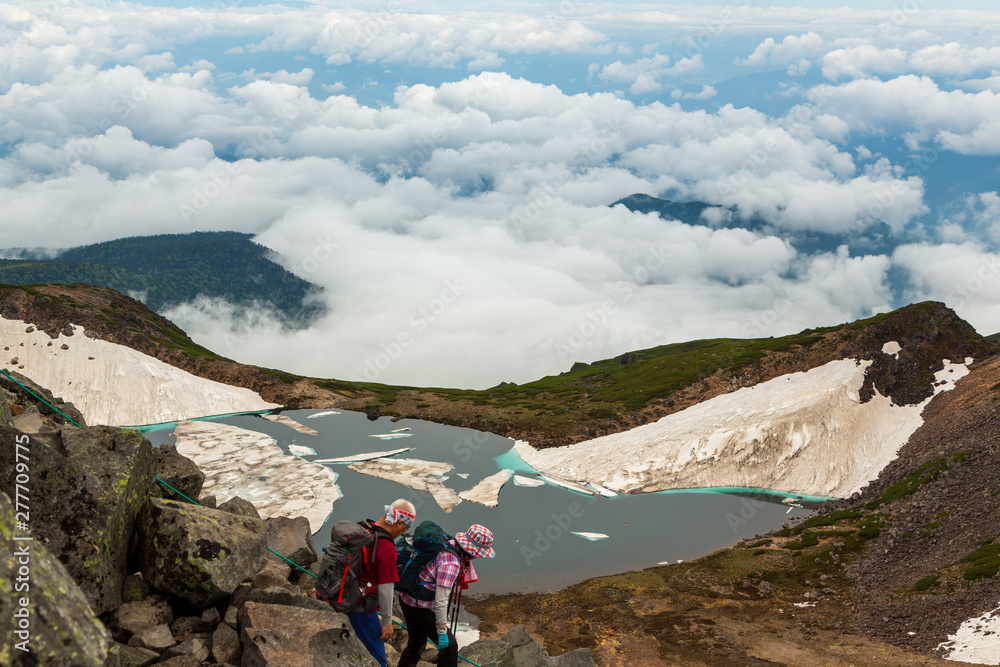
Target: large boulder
[
  {"x": 133, "y": 617},
  {"x": 237, "y": 505},
  {"x": 281, "y": 636},
  {"x": 58, "y": 624},
  {"x": 490, "y": 653},
  {"x": 87, "y": 488},
  {"x": 24, "y": 399},
  {"x": 179, "y": 472},
  {"x": 226, "y": 645},
  {"x": 527, "y": 651},
  {"x": 292, "y": 539},
  {"x": 197, "y": 553}
]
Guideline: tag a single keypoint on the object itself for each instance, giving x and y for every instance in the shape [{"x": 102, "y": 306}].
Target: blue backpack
[{"x": 415, "y": 553}]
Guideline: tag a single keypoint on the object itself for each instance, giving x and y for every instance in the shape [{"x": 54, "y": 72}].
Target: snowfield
[
  {"x": 802, "y": 433},
  {"x": 977, "y": 641},
  {"x": 115, "y": 385}
]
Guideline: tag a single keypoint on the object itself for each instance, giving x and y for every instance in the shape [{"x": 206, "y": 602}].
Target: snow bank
[
  {"x": 358, "y": 458},
  {"x": 802, "y": 433},
  {"x": 487, "y": 492},
  {"x": 115, "y": 385},
  {"x": 977, "y": 640},
  {"x": 291, "y": 423},
  {"x": 248, "y": 464},
  {"x": 415, "y": 474},
  {"x": 521, "y": 480}
]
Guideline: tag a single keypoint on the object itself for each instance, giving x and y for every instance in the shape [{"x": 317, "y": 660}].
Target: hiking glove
[{"x": 442, "y": 642}]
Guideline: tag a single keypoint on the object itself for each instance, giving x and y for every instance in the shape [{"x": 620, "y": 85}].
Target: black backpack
[
  {"x": 413, "y": 555},
  {"x": 339, "y": 579}
]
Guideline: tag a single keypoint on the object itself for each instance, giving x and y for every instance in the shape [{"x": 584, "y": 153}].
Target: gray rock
[
  {"x": 291, "y": 538},
  {"x": 121, "y": 655},
  {"x": 197, "y": 553},
  {"x": 180, "y": 661},
  {"x": 490, "y": 653},
  {"x": 189, "y": 625},
  {"x": 283, "y": 596},
  {"x": 87, "y": 488},
  {"x": 134, "y": 588},
  {"x": 64, "y": 631},
  {"x": 230, "y": 616},
  {"x": 30, "y": 421},
  {"x": 211, "y": 616},
  {"x": 273, "y": 573},
  {"x": 192, "y": 646},
  {"x": 226, "y": 645},
  {"x": 179, "y": 472},
  {"x": 237, "y": 505},
  {"x": 527, "y": 651},
  {"x": 282, "y": 636},
  {"x": 51, "y": 418},
  {"x": 134, "y": 617},
  {"x": 6, "y": 417},
  {"x": 156, "y": 638},
  {"x": 581, "y": 657},
  {"x": 208, "y": 501}
]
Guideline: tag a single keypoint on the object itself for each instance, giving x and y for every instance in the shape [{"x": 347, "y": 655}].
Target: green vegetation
[
  {"x": 171, "y": 269},
  {"x": 985, "y": 561},
  {"x": 924, "y": 474},
  {"x": 760, "y": 543},
  {"x": 995, "y": 338},
  {"x": 927, "y": 582}
]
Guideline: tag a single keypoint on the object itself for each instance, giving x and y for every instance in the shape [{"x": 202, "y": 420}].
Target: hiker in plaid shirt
[{"x": 426, "y": 620}]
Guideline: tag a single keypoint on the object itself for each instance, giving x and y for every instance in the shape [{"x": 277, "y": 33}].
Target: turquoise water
[{"x": 534, "y": 527}]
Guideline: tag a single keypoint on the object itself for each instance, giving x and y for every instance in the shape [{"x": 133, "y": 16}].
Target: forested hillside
[{"x": 170, "y": 269}]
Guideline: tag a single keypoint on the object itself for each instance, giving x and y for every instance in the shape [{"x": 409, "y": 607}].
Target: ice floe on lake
[
  {"x": 804, "y": 433},
  {"x": 415, "y": 474},
  {"x": 487, "y": 492},
  {"x": 391, "y": 436},
  {"x": 290, "y": 423},
  {"x": 248, "y": 464},
  {"x": 977, "y": 641},
  {"x": 115, "y": 385},
  {"x": 301, "y": 450},
  {"x": 323, "y": 414},
  {"x": 592, "y": 537},
  {"x": 358, "y": 458},
  {"x": 521, "y": 480}
]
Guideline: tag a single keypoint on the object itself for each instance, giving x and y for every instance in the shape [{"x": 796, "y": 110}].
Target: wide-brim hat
[{"x": 478, "y": 541}]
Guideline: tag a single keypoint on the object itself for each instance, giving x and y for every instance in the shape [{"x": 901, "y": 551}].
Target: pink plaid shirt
[{"x": 443, "y": 571}]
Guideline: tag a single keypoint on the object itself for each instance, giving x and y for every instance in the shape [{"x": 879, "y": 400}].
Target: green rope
[
  {"x": 176, "y": 491},
  {"x": 4, "y": 371},
  {"x": 291, "y": 562}
]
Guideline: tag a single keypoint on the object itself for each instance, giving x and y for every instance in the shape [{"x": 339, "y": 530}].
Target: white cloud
[{"x": 645, "y": 74}]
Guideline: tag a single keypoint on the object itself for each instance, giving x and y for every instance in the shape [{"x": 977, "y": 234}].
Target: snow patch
[
  {"x": 891, "y": 348},
  {"x": 520, "y": 480},
  {"x": 358, "y": 458},
  {"x": 415, "y": 474},
  {"x": 301, "y": 450},
  {"x": 248, "y": 464},
  {"x": 290, "y": 423},
  {"x": 487, "y": 492},
  {"x": 977, "y": 640},
  {"x": 115, "y": 385},
  {"x": 804, "y": 433}
]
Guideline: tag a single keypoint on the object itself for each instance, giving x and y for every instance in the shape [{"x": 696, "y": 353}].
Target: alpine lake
[{"x": 535, "y": 528}]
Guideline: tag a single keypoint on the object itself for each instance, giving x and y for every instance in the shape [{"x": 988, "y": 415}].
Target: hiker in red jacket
[
  {"x": 428, "y": 620},
  {"x": 382, "y": 574}
]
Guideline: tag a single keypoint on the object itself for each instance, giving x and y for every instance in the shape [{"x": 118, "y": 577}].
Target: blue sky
[{"x": 445, "y": 170}]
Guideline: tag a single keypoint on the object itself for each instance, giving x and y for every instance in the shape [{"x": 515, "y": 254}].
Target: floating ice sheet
[
  {"x": 415, "y": 474},
  {"x": 391, "y": 436},
  {"x": 238, "y": 462},
  {"x": 290, "y": 423},
  {"x": 358, "y": 458},
  {"x": 592, "y": 537},
  {"x": 520, "y": 480},
  {"x": 323, "y": 414},
  {"x": 487, "y": 492},
  {"x": 301, "y": 450}
]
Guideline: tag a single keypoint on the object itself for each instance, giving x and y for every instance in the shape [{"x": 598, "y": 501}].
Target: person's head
[
  {"x": 477, "y": 541},
  {"x": 398, "y": 517}
]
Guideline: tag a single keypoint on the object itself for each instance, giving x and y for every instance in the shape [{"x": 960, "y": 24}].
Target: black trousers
[{"x": 421, "y": 625}]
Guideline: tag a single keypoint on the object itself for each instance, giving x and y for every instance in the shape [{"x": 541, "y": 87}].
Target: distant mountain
[
  {"x": 170, "y": 269},
  {"x": 875, "y": 238}
]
